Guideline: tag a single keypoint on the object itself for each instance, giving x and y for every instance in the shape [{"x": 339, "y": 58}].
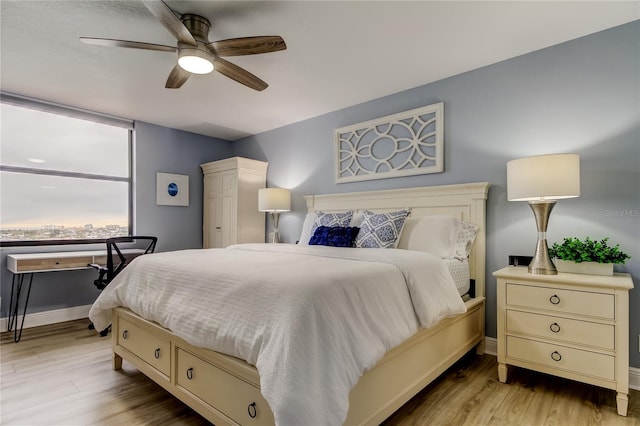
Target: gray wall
[
  {"x": 156, "y": 149},
  {"x": 580, "y": 97},
  {"x": 160, "y": 149}
]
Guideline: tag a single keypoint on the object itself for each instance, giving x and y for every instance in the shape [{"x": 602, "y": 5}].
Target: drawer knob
[
  {"x": 554, "y": 327},
  {"x": 555, "y": 355},
  {"x": 252, "y": 410},
  {"x": 125, "y": 334},
  {"x": 156, "y": 353},
  {"x": 554, "y": 299},
  {"x": 190, "y": 373}
]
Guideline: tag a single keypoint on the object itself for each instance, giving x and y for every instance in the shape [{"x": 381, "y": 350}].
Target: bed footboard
[{"x": 226, "y": 390}]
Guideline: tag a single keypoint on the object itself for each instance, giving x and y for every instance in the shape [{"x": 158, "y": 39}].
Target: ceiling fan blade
[
  {"x": 125, "y": 43},
  {"x": 238, "y": 74},
  {"x": 177, "y": 77},
  {"x": 247, "y": 45},
  {"x": 170, "y": 21}
]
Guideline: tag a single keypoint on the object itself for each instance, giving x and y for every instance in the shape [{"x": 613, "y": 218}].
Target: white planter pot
[{"x": 589, "y": 268}]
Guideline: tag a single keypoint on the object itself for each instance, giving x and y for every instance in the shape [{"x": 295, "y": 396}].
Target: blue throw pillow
[
  {"x": 381, "y": 230},
  {"x": 334, "y": 236}
]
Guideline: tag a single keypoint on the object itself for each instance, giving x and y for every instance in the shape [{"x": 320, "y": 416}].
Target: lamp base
[
  {"x": 274, "y": 219},
  {"x": 542, "y": 263}
]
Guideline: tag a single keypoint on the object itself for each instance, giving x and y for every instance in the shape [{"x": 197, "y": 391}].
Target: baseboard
[
  {"x": 634, "y": 378},
  {"x": 51, "y": 317},
  {"x": 491, "y": 348}
]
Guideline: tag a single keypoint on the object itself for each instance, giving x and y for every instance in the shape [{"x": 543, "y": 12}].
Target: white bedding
[
  {"x": 312, "y": 319},
  {"x": 459, "y": 270}
]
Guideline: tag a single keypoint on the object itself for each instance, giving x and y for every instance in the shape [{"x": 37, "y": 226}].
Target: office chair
[{"x": 117, "y": 261}]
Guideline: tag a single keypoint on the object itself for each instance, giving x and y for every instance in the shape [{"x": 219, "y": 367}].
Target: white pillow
[
  {"x": 305, "y": 235},
  {"x": 436, "y": 234},
  {"x": 356, "y": 220},
  {"x": 466, "y": 237}
]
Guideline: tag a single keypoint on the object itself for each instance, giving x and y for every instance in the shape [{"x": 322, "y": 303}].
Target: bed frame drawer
[
  {"x": 235, "y": 398},
  {"x": 151, "y": 348}
]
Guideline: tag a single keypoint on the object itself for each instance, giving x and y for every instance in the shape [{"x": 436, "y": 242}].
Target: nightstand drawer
[
  {"x": 562, "y": 358},
  {"x": 598, "y": 305},
  {"x": 564, "y": 329}
]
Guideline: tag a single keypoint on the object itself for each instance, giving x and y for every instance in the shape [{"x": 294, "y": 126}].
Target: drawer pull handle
[
  {"x": 555, "y": 355},
  {"x": 190, "y": 373},
  {"x": 554, "y": 299},
  {"x": 554, "y": 327},
  {"x": 156, "y": 353},
  {"x": 125, "y": 334},
  {"x": 252, "y": 410}
]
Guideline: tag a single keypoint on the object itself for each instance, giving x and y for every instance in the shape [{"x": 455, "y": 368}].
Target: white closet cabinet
[{"x": 230, "y": 204}]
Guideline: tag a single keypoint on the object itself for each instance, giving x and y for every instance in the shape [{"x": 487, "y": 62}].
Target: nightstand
[{"x": 569, "y": 325}]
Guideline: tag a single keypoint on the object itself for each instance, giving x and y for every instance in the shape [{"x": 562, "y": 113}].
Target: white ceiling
[{"x": 339, "y": 53}]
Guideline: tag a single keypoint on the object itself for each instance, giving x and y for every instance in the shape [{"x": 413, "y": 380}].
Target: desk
[{"x": 25, "y": 265}]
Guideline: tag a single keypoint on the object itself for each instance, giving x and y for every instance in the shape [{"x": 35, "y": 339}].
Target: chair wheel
[
  {"x": 104, "y": 332},
  {"x": 91, "y": 326}
]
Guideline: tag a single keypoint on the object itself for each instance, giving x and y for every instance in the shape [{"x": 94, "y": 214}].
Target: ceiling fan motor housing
[{"x": 197, "y": 25}]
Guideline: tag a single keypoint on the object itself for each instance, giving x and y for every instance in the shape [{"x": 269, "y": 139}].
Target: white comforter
[{"x": 311, "y": 319}]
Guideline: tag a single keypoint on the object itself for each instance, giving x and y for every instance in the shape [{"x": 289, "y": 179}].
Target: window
[{"x": 65, "y": 174}]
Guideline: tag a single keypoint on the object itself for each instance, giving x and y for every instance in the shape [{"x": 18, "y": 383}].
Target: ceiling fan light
[{"x": 195, "y": 61}]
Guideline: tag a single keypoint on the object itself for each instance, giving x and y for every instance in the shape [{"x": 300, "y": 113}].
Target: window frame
[{"x": 25, "y": 102}]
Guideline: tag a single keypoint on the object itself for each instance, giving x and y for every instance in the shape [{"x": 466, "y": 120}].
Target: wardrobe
[{"x": 230, "y": 202}]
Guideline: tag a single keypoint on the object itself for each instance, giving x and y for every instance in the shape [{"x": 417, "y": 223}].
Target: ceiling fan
[{"x": 196, "y": 54}]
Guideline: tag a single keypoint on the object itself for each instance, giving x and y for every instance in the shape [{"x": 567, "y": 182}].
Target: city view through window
[
  {"x": 61, "y": 232},
  {"x": 62, "y": 177}
]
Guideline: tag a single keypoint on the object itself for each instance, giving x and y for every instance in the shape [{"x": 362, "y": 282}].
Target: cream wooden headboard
[{"x": 464, "y": 201}]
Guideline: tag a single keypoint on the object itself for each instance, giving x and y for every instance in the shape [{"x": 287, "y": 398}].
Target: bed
[{"x": 227, "y": 389}]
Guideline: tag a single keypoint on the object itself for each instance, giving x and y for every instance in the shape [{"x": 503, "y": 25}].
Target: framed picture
[
  {"x": 403, "y": 144},
  {"x": 172, "y": 190}
]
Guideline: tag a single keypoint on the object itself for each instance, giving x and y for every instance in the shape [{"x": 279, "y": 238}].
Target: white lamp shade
[
  {"x": 545, "y": 177},
  {"x": 274, "y": 200}
]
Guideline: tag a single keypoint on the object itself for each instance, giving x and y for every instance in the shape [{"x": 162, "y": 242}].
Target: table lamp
[
  {"x": 541, "y": 181},
  {"x": 274, "y": 201}
]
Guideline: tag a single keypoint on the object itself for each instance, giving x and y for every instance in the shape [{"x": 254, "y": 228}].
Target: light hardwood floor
[{"x": 61, "y": 375}]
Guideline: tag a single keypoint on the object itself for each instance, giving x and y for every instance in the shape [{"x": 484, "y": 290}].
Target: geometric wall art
[
  {"x": 172, "y": 190},
  {"x": 403, "y": 144}
]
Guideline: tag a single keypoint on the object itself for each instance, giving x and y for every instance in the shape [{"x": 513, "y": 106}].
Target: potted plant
[{"x": 587, "y": 256}]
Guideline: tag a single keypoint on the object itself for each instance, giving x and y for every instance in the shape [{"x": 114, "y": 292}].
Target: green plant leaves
[{"x": 588, "y": 250}]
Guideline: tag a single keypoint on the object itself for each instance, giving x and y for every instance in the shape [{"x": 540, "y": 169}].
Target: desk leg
[{"x": 14, "y": 304}]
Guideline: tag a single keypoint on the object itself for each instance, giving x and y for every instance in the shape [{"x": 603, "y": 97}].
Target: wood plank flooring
[{"x": 61, "y": 375}]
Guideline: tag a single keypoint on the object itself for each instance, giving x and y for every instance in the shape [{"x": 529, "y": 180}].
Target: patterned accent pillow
[
  {"x": 466, "y": 236},
  {"x": 381, "y": 230},
  {"x": 332, "y": 219},
  {"x": 336, "y": 236}
]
